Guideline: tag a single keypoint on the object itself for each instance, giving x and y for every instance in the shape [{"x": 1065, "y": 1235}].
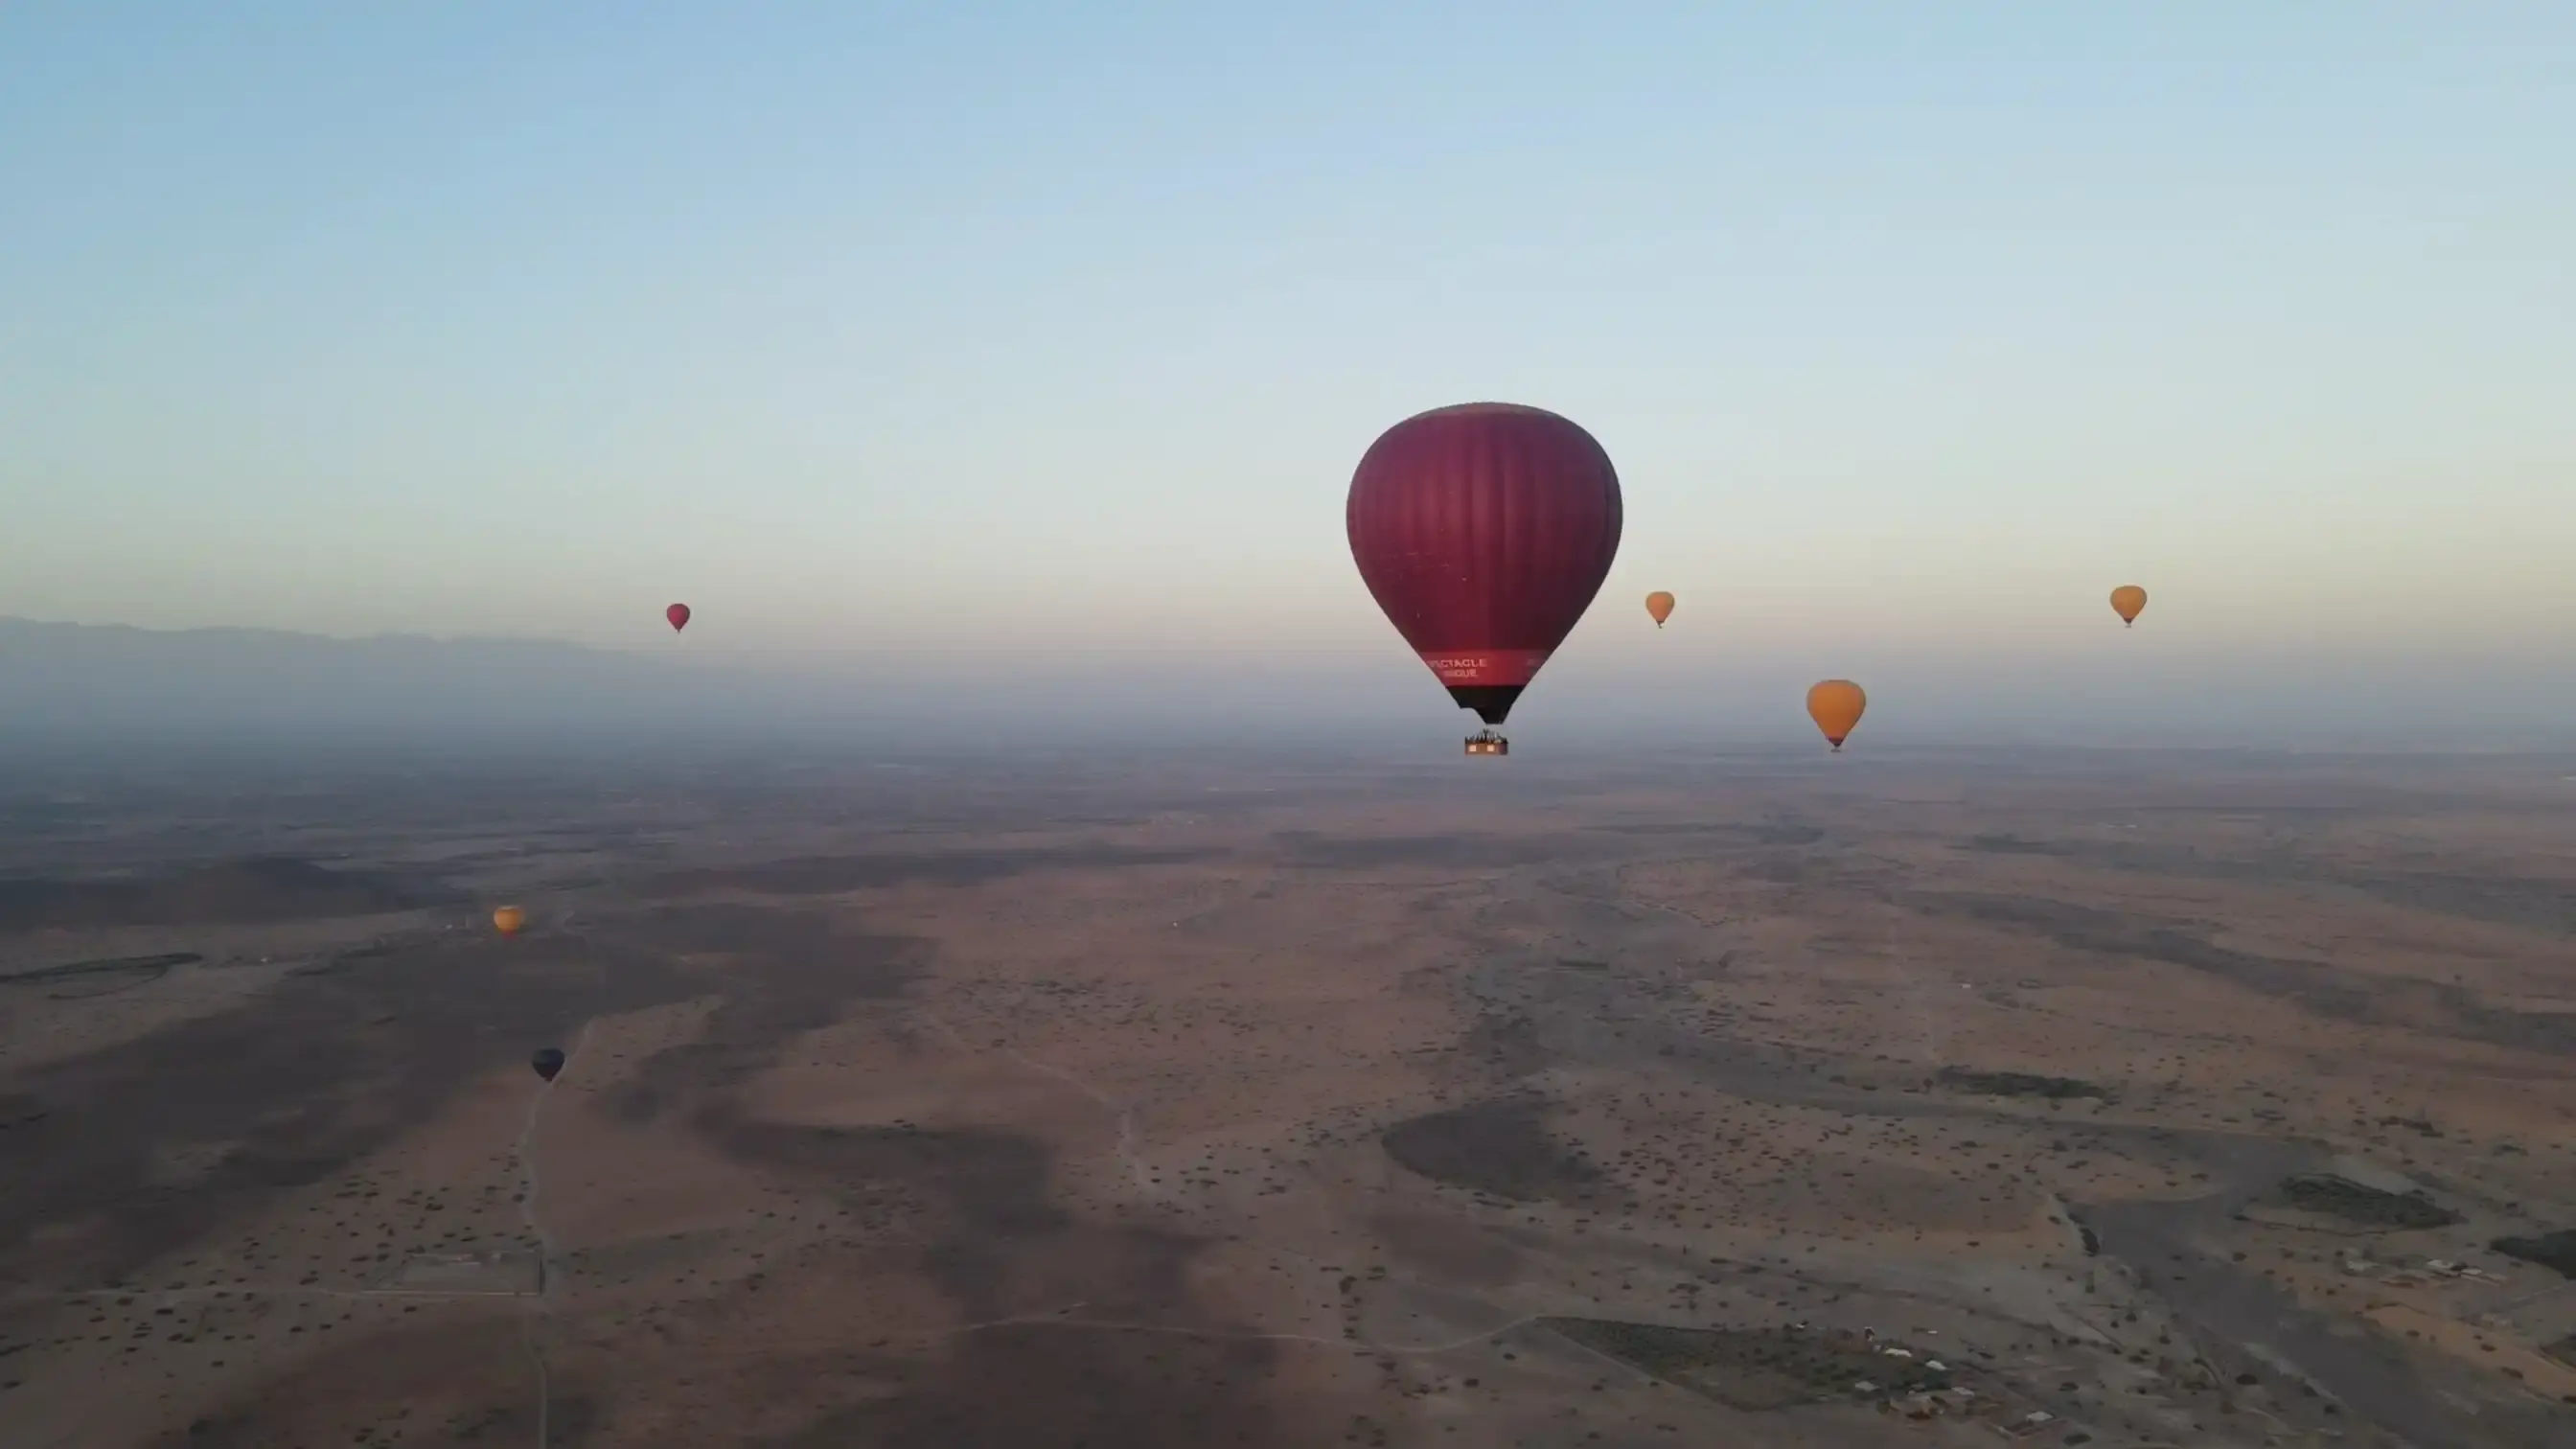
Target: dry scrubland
[{"x": 1776, "y": 1101}]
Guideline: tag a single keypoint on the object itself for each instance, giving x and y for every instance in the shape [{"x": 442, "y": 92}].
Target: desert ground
[{"x": 1754, "y": 1099}]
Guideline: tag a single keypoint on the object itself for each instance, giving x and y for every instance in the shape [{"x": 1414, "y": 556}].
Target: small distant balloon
[
  {"x": 509, "y": 919},
  {"x": 2128, "y": 601},
  {"x": 1659, "y": 607},
  {"x": 1835, "y": 705},
  {"x": 678, "y": 614},
  {"x": 547, "y": 1061}
]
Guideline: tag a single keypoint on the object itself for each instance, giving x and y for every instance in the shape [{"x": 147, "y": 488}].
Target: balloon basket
[{"x": 1486, "y": 742}]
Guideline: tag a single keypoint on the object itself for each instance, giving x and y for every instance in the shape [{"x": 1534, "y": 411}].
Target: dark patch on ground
[
  {"x": 306, "y": 1078},
  {"x": 2018, "y": 1084},
  {"x": 2314, "y": 985},
  {"x": 2532, "y": 1031},
  {"x": 2341, "y": 1197},
  {"x": 2008, "y": 844},
  {"x": 1119, "y": 1274},
  {"x": 1767, "y": 832},
  {"x": 787, "y": 972},
  {"x": 1755, "y": 1369},
  {"x": 2152, "y": 857},
  {"x": 823, "y": 875},
  {"x": 107, "y": 966},
  {"x": 254, "y": 891},
  {"x": 1026, "y": 1382},
  {"x": 1035, "y": 1387},
  {"x": 1777, "y": 870},
  {"x": 2293, "y": 809},
  {"x": 356, "y": 957},
  {"x": 1499, "y": 1146},
  {"x": 992, "y": 1182},
  {"x": 1436, "y": 852},
  {"x": 2085, "y": 928},
  {"x": 19, "y": 1108},
  {"x": 85, "y": 980},
  {"x": 2553, "y": 1250},
  {"x": 2543, "y": 906}
]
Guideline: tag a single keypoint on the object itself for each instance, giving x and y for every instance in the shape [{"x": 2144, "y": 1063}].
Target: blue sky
[{"x": 988, "y": 329}]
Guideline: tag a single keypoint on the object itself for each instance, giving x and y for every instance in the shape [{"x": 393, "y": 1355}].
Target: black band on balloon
[{"x": 1491, "y": 702}]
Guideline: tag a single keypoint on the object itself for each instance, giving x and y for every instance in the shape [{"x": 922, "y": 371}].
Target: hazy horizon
[
  {"x": 95, "y": 691},
  {"x": 952, "y": 352}
]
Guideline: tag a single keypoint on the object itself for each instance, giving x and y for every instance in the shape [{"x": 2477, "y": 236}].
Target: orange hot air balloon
[
  {"x": 1835, "y": 706},
  {"x": 1659, "y": 607},
  {"x": 2128, "y": 601},
  {"x": 509, "y": 919}
]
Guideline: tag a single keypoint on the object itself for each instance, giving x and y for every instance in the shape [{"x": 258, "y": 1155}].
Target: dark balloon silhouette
[
  {"x": 1484, "y": 531},
  {"x": 678, "y": 614},
  {"x": 547, "y": 1061}
]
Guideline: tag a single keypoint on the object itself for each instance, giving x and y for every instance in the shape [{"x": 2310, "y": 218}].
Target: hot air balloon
[
  {"x": 678, "y": 614},
  {"x": 1483, "y": 531},
  {"x": 547, "y": 1061},
  {"x": 2128, "y": 601},
  {"x": 509, "y": 919},
  {"x": 1659, "y": 607},
  {"x": 1836, "y": 706}
]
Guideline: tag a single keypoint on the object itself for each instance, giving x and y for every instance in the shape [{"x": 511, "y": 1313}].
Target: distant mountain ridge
[
  {"x": 252, "y": 890},
  {"x": 116, "y": 689},
  {"x": 114, "y": 683},
  {"x": 39, "y": 635}
]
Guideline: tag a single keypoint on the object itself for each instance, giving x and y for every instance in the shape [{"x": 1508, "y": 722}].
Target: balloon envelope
[
  {"x": 1483, "y": 531},
  {"x": 1835, "y": 705},
  {"x": 1659, "y": 607},
  {"x": 2128, "y": 601},
  {"x": 509, "y": 919},
  {"x": 678, "y": 614},
  {"x": 547, "y": 1061}
]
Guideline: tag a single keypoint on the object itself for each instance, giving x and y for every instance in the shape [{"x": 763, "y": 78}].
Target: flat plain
[{"x": 1765, "y": 1099}]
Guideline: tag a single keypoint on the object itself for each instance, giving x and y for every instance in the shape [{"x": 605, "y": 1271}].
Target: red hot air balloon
[
  {"x": 1483, "y": 531},
  {"x": 678, "y": 614}
]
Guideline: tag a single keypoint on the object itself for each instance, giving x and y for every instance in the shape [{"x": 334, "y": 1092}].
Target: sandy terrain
[{"x": 2116, "y": 1100}]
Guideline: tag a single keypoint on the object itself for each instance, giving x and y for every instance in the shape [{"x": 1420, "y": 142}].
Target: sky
[{"x": 976, "y": 334}]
